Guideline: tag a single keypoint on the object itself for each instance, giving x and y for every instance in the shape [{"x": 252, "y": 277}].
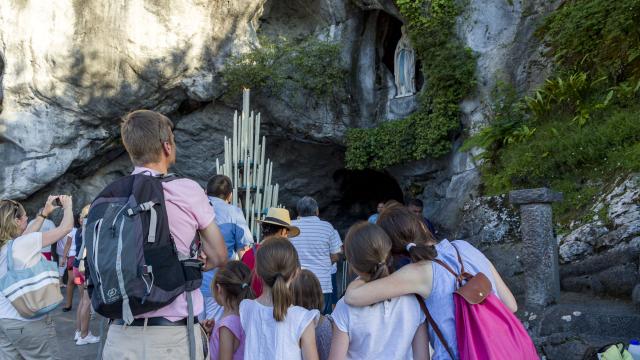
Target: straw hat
[{"x": 280, "y": 217}]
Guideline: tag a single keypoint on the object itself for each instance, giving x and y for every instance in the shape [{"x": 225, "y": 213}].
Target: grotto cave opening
[{"x": 360, "y": 191}]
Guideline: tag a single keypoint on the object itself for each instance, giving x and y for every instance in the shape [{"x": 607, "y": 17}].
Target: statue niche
[{"x": 405, "y": 67}]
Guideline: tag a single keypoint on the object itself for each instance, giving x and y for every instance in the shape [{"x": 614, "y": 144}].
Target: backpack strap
[
  {"x": 10, "y": 256},
  {"x": 434, "y": 326},
  {"x": 460, "y": 277},
  {"x": 190, "y": 325}
]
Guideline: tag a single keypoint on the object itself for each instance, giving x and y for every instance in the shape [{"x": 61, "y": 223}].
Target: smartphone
[{"x": 57, "y": 202}]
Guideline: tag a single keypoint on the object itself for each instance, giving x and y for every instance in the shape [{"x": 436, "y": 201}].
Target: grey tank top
[{"x": 440, "y": 301}]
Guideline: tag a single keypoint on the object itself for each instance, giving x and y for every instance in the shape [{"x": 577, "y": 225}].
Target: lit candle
[
  {"x": 253, "y": 218},
  {"x": 267, "y": 200},
  {"x": 235, "y": 137},
  {"x": 245, "y": 174},
  {"x": 246, "y": 204},
  {"x": 250, "y": 135},
  {"x": 275, "y": 195},
  {"x": 245, "y": 103},
  {"x": 235, "y": 196},
  {"x": 235, "y": 183},
  {"x": 259, "y": 201}
]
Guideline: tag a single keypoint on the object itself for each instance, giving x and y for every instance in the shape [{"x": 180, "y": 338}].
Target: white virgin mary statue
[{"x": 405, "y": 66}]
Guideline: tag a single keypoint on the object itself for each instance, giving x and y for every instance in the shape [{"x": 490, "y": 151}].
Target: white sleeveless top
[
  {"x": 381, "y": 331},
  {"x": 266, "y": 338}
]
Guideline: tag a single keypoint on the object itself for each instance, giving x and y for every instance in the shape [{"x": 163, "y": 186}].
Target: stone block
[
  {"x": 534, "y": 196},
  {"x": 540, "y": 255}
]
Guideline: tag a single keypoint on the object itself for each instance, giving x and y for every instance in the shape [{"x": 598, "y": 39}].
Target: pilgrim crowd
[{"x": 272, "y": 299}]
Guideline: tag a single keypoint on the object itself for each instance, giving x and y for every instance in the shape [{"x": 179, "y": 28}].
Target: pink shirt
[
  {"x": 231, "y": 322},
  {"x": 188, "y": 211}
]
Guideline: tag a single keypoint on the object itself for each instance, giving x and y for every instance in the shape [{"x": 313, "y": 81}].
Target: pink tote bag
[{"x": 485, "y": 328}]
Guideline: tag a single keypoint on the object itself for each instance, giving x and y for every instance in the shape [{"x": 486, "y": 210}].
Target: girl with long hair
[{"x": 274, "y": 327}]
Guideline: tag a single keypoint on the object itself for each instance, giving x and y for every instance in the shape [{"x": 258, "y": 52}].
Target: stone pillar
[{"x": 540, "y": 247}]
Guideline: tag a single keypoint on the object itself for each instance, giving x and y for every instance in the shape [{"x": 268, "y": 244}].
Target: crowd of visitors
[{"x": 232, "y": 297}]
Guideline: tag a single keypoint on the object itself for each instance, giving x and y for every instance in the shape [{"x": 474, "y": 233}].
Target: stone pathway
[{"x": 65, "y": 328}]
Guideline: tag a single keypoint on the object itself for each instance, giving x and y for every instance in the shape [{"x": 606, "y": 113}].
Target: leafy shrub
[
  {"x": 582, "y": 125},
  {"x": 311, "y": 63},
  {"x": 601, "y": 37}
]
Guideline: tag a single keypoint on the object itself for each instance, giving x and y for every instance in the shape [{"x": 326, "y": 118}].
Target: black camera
[{"x": 57, "y": 202}]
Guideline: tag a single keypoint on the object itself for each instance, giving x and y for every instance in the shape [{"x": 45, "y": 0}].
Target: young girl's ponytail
[
  {"x": 235, "y": 279},
  {"x": 367, "y": 248},
  {"x": 408, "y": 233},
  {"x": 276, "y": 263},
  {"x": 282, "y": 298},
  {"x": 419, "y": 252}
]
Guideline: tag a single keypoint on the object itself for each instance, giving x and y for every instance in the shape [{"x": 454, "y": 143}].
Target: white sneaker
[
  {"x": 89, "y": 339},
  {"x": 76, "y": 336}
]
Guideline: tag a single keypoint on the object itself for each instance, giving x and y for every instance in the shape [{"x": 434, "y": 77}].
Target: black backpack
[{"x": 133, "y": 263}]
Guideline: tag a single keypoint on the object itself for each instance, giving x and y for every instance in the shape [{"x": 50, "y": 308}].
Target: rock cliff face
[{"x": 71, "y": 69}]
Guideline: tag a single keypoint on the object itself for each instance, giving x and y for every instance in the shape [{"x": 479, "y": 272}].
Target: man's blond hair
[{"x": 143, "y": 134}]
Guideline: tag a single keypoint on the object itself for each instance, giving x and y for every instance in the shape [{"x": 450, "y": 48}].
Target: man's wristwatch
[{"x": 43, "y": 215}]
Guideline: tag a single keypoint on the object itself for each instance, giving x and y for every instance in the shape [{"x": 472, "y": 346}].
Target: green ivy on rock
[
  {"x": 309, "y": 63},
  {"x": 449, "y": 70}
]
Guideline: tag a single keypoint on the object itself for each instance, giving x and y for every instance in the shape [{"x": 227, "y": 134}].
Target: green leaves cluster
[
  {"x": 449, "y": 70},
  {"x": 580, "y": 129},
  {"x": 596, "y": 36},
  {"x": 310, "y": 63}
]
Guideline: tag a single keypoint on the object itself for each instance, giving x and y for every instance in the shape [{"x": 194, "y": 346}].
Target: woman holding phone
[{"x": 20, "y": 337}]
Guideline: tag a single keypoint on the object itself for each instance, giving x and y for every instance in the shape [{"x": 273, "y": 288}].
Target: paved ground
[{"x": 65, "y": 327}]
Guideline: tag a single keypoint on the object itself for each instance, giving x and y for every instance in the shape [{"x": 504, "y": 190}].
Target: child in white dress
[
  {"x": 274, "y": 328},
  {"x": 390, "y": 329}
]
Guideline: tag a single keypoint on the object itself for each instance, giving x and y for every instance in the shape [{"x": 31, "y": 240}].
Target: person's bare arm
[
  {"x": 503, "y": 291},
  {"x": 339, "y": 344},
  {"x": 420, "y": 343},
  {"x": 213, "y": 246},
  {"x": 336, "y": 257},
  {"x": 51, "y": 236},
  {"x": 228, "y": 344},
  {"x": 36, "y": 224},
  {"x": 411, "y": 279},
  {"x": 308, "y": 343}
]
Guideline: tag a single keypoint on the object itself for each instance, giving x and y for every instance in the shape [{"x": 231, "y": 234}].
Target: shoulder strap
[
  {"x": 459, "y": 258},
  {"x": 460, "y": 277},
  {"x": 10, "y": 256},
  {"x": 434, "y": 326},
  {"x": 167, "y": 177}
]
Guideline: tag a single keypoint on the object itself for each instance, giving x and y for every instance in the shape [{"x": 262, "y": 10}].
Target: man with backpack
[{"x": 145, "y": 236}]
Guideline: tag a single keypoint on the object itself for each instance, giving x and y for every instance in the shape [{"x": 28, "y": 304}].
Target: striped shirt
[{"x": 315, "y": 244}]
